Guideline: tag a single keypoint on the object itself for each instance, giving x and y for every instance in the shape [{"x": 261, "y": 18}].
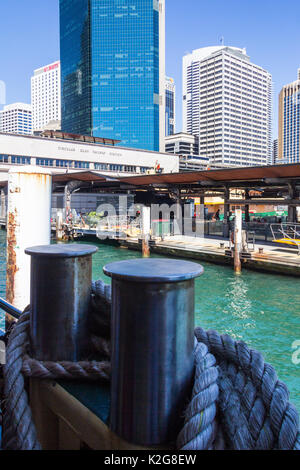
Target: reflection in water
[{"x": 239, "y": 306}]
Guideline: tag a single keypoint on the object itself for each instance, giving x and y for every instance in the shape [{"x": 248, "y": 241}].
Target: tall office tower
[
  {"x": 289, "y": 123},
  {"x": 113, "y": 70},
  {"x": 16, "y": 118},
  {"x": 170, "y": 106},
  {"x": 227, "y": 102},
  {"x": 46, "y": 96}
]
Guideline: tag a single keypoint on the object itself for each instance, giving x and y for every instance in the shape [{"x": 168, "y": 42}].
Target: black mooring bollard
[
  {"x": 152, "y": 347},
  {"x": 60, "y": 290}
]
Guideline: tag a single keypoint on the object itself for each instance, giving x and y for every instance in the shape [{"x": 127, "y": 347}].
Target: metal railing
[{"x": 10, "y": 309}]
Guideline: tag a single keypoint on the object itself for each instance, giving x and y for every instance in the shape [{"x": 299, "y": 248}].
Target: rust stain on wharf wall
[{"x": 11, "y": 267}]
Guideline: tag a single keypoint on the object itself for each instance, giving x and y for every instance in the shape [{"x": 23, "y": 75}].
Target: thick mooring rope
[
  {"x": 237, "y": 400},
  {"x": 240, "y": 404},
  {"x": 84, "y": 370},
  {"x": 19, "y": 431}
]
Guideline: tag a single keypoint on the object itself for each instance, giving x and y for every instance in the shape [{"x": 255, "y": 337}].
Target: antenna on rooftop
[{"x": 222, "y": 40}]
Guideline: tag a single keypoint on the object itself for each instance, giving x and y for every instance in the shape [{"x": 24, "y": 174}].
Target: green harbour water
[{"x": 261, "y": 309}]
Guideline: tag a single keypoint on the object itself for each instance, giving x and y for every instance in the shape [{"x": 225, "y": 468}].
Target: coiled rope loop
[{"x": 253, "y": 408}]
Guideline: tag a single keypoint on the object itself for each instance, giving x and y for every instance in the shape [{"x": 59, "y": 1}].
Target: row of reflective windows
[{"x": 20, "y": 160}]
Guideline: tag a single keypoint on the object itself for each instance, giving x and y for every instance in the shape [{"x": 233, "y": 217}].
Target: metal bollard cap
[
  {"x": 153, "y": 270},
  {"x": 74, "y": 250}
]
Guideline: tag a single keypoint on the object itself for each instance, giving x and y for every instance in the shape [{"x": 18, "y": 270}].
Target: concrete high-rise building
[
  {"x": 182, "y": 144},
  {"x": 113, "y": 70},
  {"x": 170, "y": 106},
  {"x": 289, "y": 123},
  {"x": 227, "y": 103},
  {"x": 46, "y": 96},
  {"x": 16, "y": 118}
]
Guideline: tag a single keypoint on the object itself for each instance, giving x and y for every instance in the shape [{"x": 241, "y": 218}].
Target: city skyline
[{"x": 37, "y": 24}]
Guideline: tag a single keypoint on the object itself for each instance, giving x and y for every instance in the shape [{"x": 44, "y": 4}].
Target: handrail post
[
  {"x": 152, "y": 347},
  {"x": 61, "y": 278}
]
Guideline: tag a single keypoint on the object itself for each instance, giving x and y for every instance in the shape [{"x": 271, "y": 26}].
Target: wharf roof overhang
[
  {"x": 269, "y": 175},
  {"x": 84, "y": 176},
  {"x": 267, "y": 178}
]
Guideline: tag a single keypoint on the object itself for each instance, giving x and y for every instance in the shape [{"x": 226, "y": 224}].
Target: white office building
[
  {"x": 16, "y": 118},
  {"x": 227, "y": 103},
  {"x": 46, "y": 97},
  {"x": 182, "y": 144}
]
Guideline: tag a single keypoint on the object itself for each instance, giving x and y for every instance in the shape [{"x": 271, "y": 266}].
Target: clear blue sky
[{"x": 269, "y": 29}]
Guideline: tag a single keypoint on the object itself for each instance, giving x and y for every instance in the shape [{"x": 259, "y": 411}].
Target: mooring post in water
[
  {"x": 238, "y": 241},
  {"x": 152, "y": 347},
  {"x": 28, "y": 224},
  {"x": 146, "y": 227},
  {"x": 61, "y": 278}
]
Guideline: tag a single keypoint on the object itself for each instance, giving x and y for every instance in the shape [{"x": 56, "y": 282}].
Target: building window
[
  {"x": 101, "y": 166},
  {"x": 82, "y": 165},
  {"x": 44, "y": 162},
  {"x": 64, "y": 163},
  {"x": 20, "y": 160},
  {"x": 4, "y": 158}
]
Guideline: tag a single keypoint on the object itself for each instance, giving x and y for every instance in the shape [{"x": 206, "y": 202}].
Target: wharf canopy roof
[
  {"x": 225, "y": 175},
  {"x": 249, "y": 174},
  {"x": 84, "y": 176}
]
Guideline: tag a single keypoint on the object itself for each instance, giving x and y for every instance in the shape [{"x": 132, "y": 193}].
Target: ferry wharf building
[{"x": 70, "y": 153}]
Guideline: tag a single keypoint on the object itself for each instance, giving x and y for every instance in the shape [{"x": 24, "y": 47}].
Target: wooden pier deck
[{"x": 272, "y": 258}]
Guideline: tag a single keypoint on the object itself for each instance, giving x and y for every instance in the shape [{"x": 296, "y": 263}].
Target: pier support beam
[
  {"x": 226, "y": 213},
  {"x": 28, "y": 223},
  {"x": 69, "y": 189},
  {"x": 152, "y": 347},
  {"x": 292, "y": 210},
  {"x": 247, "y": 215}
]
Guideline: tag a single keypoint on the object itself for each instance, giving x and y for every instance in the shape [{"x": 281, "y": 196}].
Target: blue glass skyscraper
[{"x": 113, "y": 70}]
